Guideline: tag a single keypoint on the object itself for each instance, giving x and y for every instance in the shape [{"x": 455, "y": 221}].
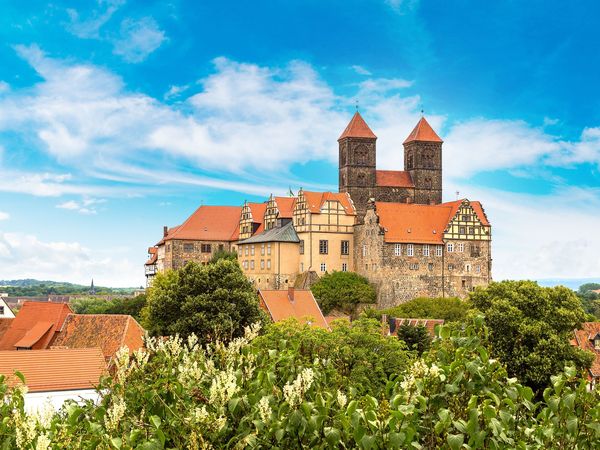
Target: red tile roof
[
  {"x": 429, "y": 324},
  {"x": 280, "y": 306},
  {"x": 170, "y": 232},
  {"x": 4, "y": 325},
  {"x": 584, "y": 340},
  {"x": 357, "y": 128},
  {"x": 25, "y": 325},
  {"x": 393, "y": 178},
  {"x": 285, "y": 205},
  {"x": 423, "y": 224},
  {"x": 315, "y": 200},
  {"x": 423, "y": 132},
  {"x": 153, "y": 252},
  {"x": 258, "y": 215},
  {"x": 54, "y": 370},
  {"x": 109, "y": 332},
  {"x": 209, "y": 223}
]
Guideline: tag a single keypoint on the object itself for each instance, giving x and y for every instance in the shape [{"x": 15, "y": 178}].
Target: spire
[
  {"x": 357, "y": 128},
  {"x": 423, "y": 132}
]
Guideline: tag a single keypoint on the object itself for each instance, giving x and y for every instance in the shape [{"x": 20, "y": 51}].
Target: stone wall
[
  {"x": 394, "y": 194},
  {"x": 178, "y": 252}
]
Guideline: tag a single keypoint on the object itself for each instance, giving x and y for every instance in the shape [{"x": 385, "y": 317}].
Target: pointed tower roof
[
  {"x": 357, "y": 128},
  {"x": 423, "y": 132}
]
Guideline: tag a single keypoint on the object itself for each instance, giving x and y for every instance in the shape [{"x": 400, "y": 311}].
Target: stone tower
[
  {"x": 357, "y": 161},
  {"x": 423, "y": 160}
]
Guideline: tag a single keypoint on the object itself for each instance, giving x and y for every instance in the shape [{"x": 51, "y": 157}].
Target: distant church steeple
[{"x": 92, "y": 288}]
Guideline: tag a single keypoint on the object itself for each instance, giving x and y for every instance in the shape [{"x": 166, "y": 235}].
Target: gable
[{"x": 468, "y": 222}]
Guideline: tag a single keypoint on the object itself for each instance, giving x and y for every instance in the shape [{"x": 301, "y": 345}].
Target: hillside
[{"x": 31, "y": 287}]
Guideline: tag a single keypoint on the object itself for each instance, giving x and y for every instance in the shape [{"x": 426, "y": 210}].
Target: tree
[
  {"x": 415, "y": 337},
  {"x": 120, "y": 305},
  {"x": 215, "y": 302},
  {"x": 450, "y": 309},
  {"x": 344, "y": 291},
  {"x": 223, "y": 254},
  {"x": 530, "y": 328}
]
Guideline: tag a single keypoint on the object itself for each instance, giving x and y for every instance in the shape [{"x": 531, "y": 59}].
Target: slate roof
[
  {"x": 423, "y": 132},
  {"x": 26, "y": 328},
  {"x": 280, "y": 306},
  {"x": 357, "y": 128},
  {"x": 54, "y": 370},
  {"x": 285, "y": 233},
  {"x": 109, "y": 332}
]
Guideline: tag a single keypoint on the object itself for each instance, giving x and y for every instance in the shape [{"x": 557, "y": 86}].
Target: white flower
[
  {"x": 115, "y": 413},
  {"x": 434, "y": 370},
  {"x": 293, "y": 392},
  {"x": 25, "y": 429},
  {"x": 43, "y": 442},
  {"x": 223, "y": 387},
  {"x": 341, "y": 399},
  {"x": 264, "y": 409}
]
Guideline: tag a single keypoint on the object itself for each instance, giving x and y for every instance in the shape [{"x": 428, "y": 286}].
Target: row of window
[
  {"x": 250, "y": 264},
  {"x": 467, "y": 268},
  {"x": 249, "y": 249},
  {"x": 189, "y": 247}
]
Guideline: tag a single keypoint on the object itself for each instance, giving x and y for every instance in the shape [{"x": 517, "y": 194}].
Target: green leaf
[
  {"x": 155, "y": 421},
  {"x": 572, "y": 424},
  {"x": 444, "y": 332},
  {"x": 20, "y": 376},
  {"x": 116, "y": 442},
  {"x": 332, "y": 435},
  {"x": 455, "y": 441}
]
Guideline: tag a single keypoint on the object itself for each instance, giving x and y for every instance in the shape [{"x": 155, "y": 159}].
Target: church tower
[
  {"x": 357, "y": 161},
  {"x": 423, "y": 160}
]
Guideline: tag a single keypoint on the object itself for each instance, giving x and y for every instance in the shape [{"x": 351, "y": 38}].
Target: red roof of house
[
  {"x": 35, "y": 325},
  {"x": 281, "y": 306},
  {"x": 170, "y": 232},
  {"x": 429, "y": 324},
  {"x": 109, "y": 332},
  {"x": 54, "y": 370},
  {"x": 209, "y": 223},
  {"x": 315, "y": 200},
  {"x": 4, "y": 325},
  {"x": 423, "y": 132},
  {"x": 258, "y": 215},
  {"x": 357, "y": 128},
  {"x": 393, "y": 178},
  {"x": 424, "y": 224},
  {"x": 153, "y": 252},
  {"x": 285, "y": 205},
  {"x": 584, "y": 340}
]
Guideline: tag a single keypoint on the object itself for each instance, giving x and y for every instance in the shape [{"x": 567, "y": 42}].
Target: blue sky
[{"x": 118, "y": 117}]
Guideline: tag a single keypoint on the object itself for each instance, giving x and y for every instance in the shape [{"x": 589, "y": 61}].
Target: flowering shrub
[{"x": 254, "y": 393}]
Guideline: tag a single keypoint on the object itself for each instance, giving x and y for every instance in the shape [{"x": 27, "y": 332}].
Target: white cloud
[
  {"x": 25, "y": 256},
  {"x": 4, "y": 215},
  {"x": 4, "y": 86},
  {"x": 138, "y": 39},
  {"x": 361, "y": 70},
  {"x": 90, "y": 28},
  {"x": 87, "y": 206}
]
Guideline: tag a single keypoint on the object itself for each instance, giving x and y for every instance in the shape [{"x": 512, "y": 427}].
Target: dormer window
[{"x": 597, "y": 342}]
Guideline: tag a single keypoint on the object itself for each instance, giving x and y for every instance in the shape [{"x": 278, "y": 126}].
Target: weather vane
[{"x": 357, "y": 104}]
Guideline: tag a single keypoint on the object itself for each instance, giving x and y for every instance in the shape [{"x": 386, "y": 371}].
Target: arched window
[
  {"x": 362, "y": 156},
  {"x": 361, "y": 179}
]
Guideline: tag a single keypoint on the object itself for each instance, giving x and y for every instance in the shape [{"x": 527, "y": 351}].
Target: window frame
[{"x": 323, "y": 246}]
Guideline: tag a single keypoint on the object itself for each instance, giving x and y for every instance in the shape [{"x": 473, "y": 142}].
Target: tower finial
[{"x": 357, "y": 105}]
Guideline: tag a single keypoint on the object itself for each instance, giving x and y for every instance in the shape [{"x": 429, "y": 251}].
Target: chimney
[
  {"x": 409, "y": 200},
  {"x": 165, "y": 231},
  {"x": 291, "y": 293}
]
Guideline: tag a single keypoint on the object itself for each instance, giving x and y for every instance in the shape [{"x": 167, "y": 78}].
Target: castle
[{"x": 390, "y": 226}]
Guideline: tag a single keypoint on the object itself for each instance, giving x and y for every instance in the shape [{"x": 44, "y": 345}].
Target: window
[
  {"x": 460, "y": 247},
  {"x": 364, "y": 252},
  {"x": 410, "y": 250},
  {"x": 323, "y": 267},
  {"x": 301, "y": 267},
  {"x": 262, "y": 263},
  {"x": 462, "y": 230},
  {"x": 471, "y": 230},
  {"x": 413, "y": 267},
  {"x": 344, "y": 267},
  {"x": 206, "y": 248},
  {"x": 450, "y": 266},
  {"x": 597, "y": 342},
  {"x": 246, "y": 250},
  {"x": 450, "y": 247},
  {"x": 345, "y": 247},
  {"x": 323, "y": 247},
  {"x": 262, "y": 249},
  {"x": 373, "y": 266},
  {"x": 467, "y": 268},
  {"x": 426, "y": 250},
  {"x": 188, "y": 247},
  {"x": 302, "y": 246},
  {"x": 246, "y": 264},
  {"x": 252, "y": 250},
  {"x": 2, "y": 309},
  {"x": 438, "y": 250},
  {"x": 466, "y": 217},
  {"x": 397, "y": 249},
  {"x": 430, "y": 266},
  {"x": 240, "y": 251},
  {"x": 268, "y": 263},
  {"x": 475, "y": 250},
  {"x": 268, "y": 249},
  {"x": 252, "y": 264},
  {"x": 477, "y": 268},
  {"x": 221, "y": 247}
]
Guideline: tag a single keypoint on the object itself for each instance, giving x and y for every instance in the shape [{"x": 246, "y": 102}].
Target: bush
[
  {"x": 343, "y": 291},
  {"x": 121, "y": 305},
  {"x": 450, "y": 309},
  {"x": 416, "y": 338}
]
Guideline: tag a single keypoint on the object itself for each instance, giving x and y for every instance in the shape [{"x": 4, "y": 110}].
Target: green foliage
[
  {"x": 415, "y": 337},
  {"x": 223, "y": 254},
  {"x": 264, "y": 394},
  {"x": 451, "y": 309},
  {"x": 343, "y": 291},
  {"x": 120, "y": 305},
  {"x": 359, "y": 353},
  {"x": 530, "y": 329},
  {"x": 215, "y": 302},
  {"x": 590, "y": 301},
  {"x": 33, "y": 288}
]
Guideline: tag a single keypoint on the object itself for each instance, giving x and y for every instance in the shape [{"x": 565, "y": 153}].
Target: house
[
  {"x": 5, "y": 311},
  {"x": 108, "y": 332},
  {"x": 297, "y": 303},
  {"x": 35, "y": 326},
  {"x": 54, "y": 376},
  {"x": 588, "y": 339},
  {"x": 393, "y": 323}
]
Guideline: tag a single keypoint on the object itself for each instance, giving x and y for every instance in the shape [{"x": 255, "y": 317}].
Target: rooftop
[
  {"x": 423, "y": 132},
  {"x": 393, "y": 178},
  {"x": 285, "y": 233},
  {"x": 297, "y": 303},
  {"x": 357, "y": 128},
  {"x": 208, "y": 223}
]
